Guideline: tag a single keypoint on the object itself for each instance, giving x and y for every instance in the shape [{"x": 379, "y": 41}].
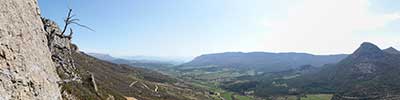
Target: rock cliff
[
  {"x": 61, "y": 50},
  {"x": 27, "y": 70}
]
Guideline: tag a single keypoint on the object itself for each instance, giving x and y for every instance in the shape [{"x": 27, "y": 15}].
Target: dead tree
[
  {"x": 71, "y": 20},
  {"x": 70, "y": 33},
  {"x": 67, "y": 21}
]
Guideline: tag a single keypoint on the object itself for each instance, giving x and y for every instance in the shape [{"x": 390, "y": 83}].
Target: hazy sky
[{"x": 194, "y": 27}]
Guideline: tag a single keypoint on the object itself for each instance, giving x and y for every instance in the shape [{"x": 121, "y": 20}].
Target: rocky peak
[
  {"x": 362, "y": 60},
  {"x": 367, "y": 51},
  {"x": 391, "y": 50}
]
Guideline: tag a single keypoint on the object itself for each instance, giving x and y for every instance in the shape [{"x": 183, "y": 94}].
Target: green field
[
  {"x": 239, "y": 97},
  {"x": 318, "y": 97},
  {"x": 227, "y": 95},
  {"x": 224, "y": 94}
]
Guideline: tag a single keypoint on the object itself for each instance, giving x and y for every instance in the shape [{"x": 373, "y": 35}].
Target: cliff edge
[{"x": 26, "y": 67}]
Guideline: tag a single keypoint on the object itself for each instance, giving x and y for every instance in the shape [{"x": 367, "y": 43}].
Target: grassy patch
[
  {"x": 292, "y": 98},
  {"x": 318, "y": 97},
  {"x": 288, "y": 97},
  {"x": 227, "y": 95},
  {"x": 239, "y": 97}
]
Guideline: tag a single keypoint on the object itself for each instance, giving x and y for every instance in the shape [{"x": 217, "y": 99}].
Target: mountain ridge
[
  {"x": 391, "y": 50},
  {"x": 267, "y": 60}
]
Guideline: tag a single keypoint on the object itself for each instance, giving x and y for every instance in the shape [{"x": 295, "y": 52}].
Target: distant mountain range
[
  {"x": 160, "y": 65},
  {"x": 175, "y": 60},
  {"x": 102, "y": 56},
  {"x": 141, "y": 59},
  {"x": 265, "y": 61}
]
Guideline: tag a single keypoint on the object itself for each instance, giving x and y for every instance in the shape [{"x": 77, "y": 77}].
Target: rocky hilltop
[
  {"x": 27, "y": 70},
  {"x": 369, "y": 73}
]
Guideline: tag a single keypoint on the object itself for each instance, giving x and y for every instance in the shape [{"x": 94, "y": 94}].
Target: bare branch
[
  {"x": 67, "y": 20},
  {"x": 84, "y": 26},
  {"x": 71, "y": 20},
  {"x": 70, "y": 33}
]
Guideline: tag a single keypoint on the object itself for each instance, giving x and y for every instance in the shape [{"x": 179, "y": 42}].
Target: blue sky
[{"x": 177, "y": 28}]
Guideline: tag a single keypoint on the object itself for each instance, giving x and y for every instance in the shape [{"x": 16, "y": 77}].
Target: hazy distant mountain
[
  {"x": 101, "y": 56},
  {"x": 174, "y": 60},
  {"x": 142, "y": 59},
  {"x": 263, "y": 60}
]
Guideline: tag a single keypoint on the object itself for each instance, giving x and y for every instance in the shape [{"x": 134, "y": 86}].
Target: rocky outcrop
[
  {"x": 93, "y": 82},
  {"x": 61, "y": 48},
  {"x": 27, "y": 70}
]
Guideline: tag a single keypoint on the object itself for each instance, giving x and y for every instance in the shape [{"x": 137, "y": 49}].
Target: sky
[{"x": 188, "y": 28}]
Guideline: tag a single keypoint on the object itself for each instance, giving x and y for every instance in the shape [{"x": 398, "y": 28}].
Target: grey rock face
[
  {"x": 365, "y": 68},
  {"x": 27, "y": 71},
  {"x": 61, "y": 50}
]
